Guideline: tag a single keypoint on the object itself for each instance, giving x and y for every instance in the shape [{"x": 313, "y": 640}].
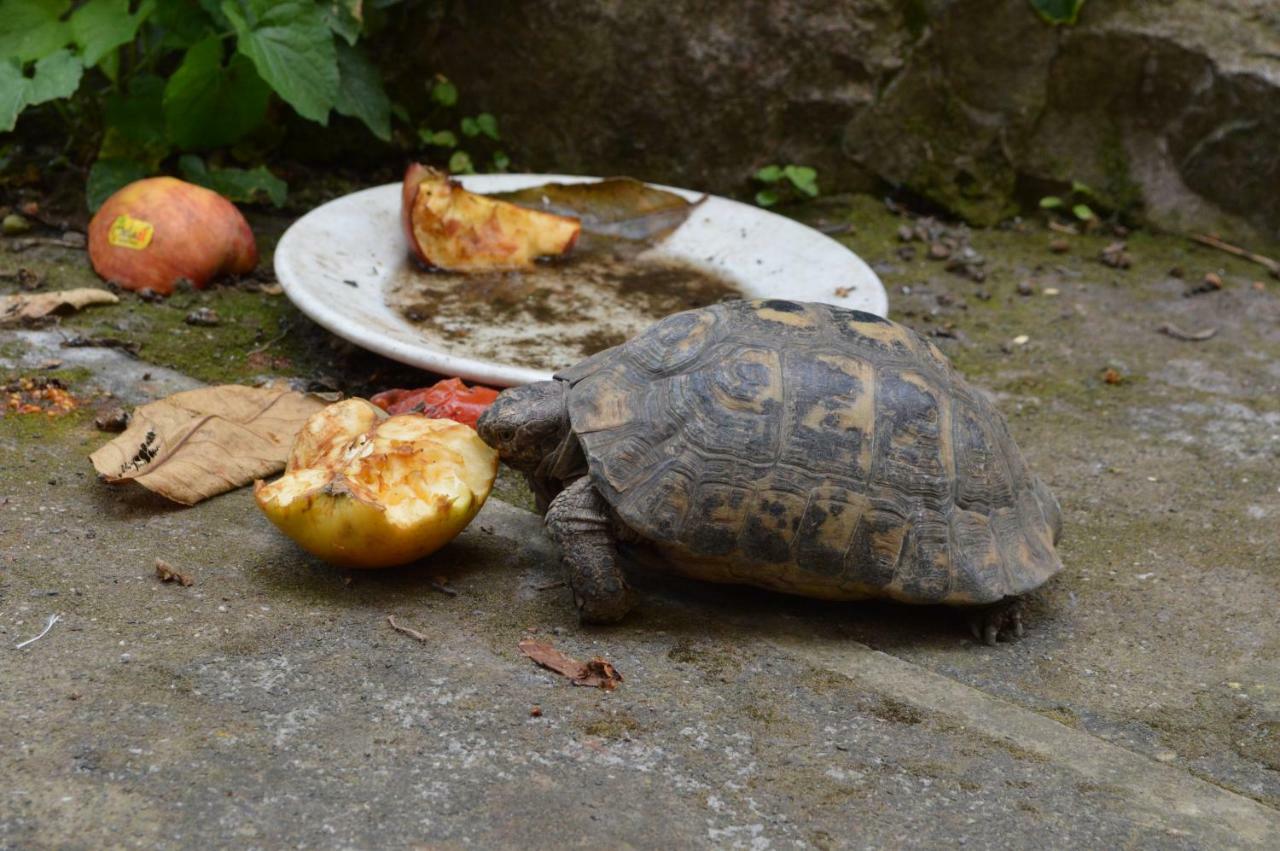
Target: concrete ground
[{"x": 270, "y": 705}]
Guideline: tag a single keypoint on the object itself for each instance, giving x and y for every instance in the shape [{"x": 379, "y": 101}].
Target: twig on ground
[
  {"x": 268, "y": 344},
  {"x": 52, "y": 620},
  {"x": 438, "y": 584},
  {"x": 412, "y": 633},
  {"x": 1213, "y": 242},
  {"x": 1193, "y": 336},
  {"x": 23, "y": 243}
]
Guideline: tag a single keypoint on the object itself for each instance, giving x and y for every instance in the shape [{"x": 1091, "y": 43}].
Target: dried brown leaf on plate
[
  {"x": 595, "y": 672},
  {"x": 616, "y": 208},
  {"x": 200, "y": 443},
  {"x": 24, "y": 307}
]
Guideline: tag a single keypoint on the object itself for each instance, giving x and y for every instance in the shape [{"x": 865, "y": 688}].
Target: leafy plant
[
  {"x": 785, "y": 182},
  {"x": 184, "y": 76},
  {"x": 1058, "y": 12},
  {"x": 1075, "y": 201},
  {"x": 480, "y": 133}
]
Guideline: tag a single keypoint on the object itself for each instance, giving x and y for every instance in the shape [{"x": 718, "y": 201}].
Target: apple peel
[
  {"x": 365, "y": 490},
  {"x": 452, "y": 229}
]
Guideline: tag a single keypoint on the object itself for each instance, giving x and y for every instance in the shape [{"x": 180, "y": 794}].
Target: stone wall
[{"x": 1171, "y": 107}]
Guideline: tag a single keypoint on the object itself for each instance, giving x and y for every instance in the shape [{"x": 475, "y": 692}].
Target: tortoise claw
[{"x": 997, "y": 622}]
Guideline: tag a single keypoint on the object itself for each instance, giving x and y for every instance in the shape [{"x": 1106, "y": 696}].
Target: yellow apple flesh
[
  {"x": 453, "y": 229},
  {"x": 365, "y": 490}
]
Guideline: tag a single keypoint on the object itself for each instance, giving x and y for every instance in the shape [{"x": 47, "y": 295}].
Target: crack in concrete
[{"x": 1153, "y": 794}]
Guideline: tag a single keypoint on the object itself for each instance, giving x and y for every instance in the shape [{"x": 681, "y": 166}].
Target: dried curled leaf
[
  {"x": 166, "y": 572},
  {"x": 200, "y": 443},
  {"x": 619, "y": 208},
  {"x": 24, "y": 307},
  {"x": 595, "y": 672}
]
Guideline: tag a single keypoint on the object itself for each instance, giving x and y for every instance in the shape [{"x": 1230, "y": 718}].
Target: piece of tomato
[{"x": 449, "y": 399}]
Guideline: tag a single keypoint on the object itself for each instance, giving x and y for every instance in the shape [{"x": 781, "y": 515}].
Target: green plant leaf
[
  {"x": 1050, "y": 202},
  {"x": 1058, "y": 11},
  {"x": 1081, "y": 189},
  {"x": 235, "y": 184},
  {"x": 360, "y": 92},
  {"x": 766, "y": 197},
  {"x": 469, "y": 127},
  {"x": 440, "y": 138},
  {"x": 803, "y": 178},
  {"x": 109, "y": 64},
  {"x": 292, "y": 49},
  {"x": 207, "y": 105},
  {"x": 769, "y": 174},
  {"x": 108, "y": 175},
  {"x": 460, "y": 163},
  {"x": 488, "y": 125},
  {"x": 346, "y": 18},
  {"x": 137, "y": 113},
  {"x": 501, "y": 162},
  {"x": 55, "y": 76},
  {"x": 444, "y": 92},
  {"x": 101, "y": 26},
  {"x": 1082, "y": 212},
  {"x": 180, "y": 26},
  {"x": 32, "y": 29}
]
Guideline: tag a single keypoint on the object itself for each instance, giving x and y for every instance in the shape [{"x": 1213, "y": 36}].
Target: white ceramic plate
[{"x": 335, "y": 262}]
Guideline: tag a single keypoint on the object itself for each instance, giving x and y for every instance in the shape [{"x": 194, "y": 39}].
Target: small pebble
[
  {"x": 203, "y": 316},
  {"x": 1059, "y": 246},
  {"x": 1025, "y": 288},
  {"x": 939, "y": 251},
  {"x": 1021, "y": 340},
  {"x": 15, "y": 224},
  {"x": 114, "y": 420}
]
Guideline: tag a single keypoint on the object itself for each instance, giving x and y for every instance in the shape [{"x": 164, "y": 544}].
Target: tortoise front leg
[
  {"x": 578, "y": 520},
  {"x": 1001, "y": 620}
]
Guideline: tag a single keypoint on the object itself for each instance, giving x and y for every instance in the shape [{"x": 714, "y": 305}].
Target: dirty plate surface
[{"x": 340, "y": 263}]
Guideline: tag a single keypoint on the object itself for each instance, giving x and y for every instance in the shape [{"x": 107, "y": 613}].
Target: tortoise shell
[{"x": 812, "y": 449}]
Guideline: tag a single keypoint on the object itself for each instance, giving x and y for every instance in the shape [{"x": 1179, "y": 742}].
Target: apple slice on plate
[{"x": 453, "y": 229}]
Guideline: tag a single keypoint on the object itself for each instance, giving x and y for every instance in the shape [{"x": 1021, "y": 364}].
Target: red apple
[
  {"x": 451, "y": 228},
  {"x": 154, "y": 232}
]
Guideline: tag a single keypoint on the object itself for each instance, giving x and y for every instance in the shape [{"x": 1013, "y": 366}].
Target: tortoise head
[{"x": 526, "y": 423}]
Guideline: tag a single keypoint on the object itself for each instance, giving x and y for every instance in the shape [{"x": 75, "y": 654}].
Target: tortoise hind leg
[
  {"x": 1001, "y": 620},
  {"x": 578, "y": 520}
]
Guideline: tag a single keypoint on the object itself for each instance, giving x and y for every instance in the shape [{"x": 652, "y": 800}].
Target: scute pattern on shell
[{"x": 812, "y": 449}]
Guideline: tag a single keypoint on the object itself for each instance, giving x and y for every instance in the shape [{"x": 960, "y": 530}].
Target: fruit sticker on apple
[{"x": 452, "y": 229}]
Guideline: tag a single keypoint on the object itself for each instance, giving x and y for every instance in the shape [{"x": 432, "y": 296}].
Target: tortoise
[{"x": 795, "y": 446}]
